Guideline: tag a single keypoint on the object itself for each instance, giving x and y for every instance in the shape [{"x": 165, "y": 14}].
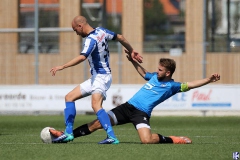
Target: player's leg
[
  {"x": 147, "y": 137},
  {"x": 103, "y": 118},
  {"x": 82, "y": 130},
  {"x": 70, "y": 110},
  {"x": 69, "y": 115},
  {"x": 100, "y": 84},
  {"x": 141, "y": 122},
  {"x": 89, "y": 128},
  {"x": 116, "y": 115}
]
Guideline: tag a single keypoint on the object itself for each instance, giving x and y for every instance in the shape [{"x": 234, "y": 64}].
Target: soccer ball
[{"x": 46, "y": 136}]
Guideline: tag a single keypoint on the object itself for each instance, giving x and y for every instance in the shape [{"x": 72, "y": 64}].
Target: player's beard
[{"x": 161, "y": 78}]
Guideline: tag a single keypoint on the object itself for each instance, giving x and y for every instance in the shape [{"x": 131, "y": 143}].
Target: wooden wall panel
[
  {"x": 132, "y": 30},
  {"x": 8, "y": 42}
]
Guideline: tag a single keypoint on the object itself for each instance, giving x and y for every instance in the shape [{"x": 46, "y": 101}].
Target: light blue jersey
[
  {"x": 153, "y": 93},
  {"x": 96, "y": 50}
]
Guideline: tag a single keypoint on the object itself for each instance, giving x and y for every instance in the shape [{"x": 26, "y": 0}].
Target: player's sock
[
  {"x": 163, "y": 139},
  {"x": 69, "y": 115},
  {"x": 81, "y": 131},
  {"x": 105, "y": 122}
]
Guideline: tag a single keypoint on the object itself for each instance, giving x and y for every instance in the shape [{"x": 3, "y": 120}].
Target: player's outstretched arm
[
  {"x": 135, "y": 56},
  {"x": 71, "y": 63},
  {"x": 142, "y": 71},
  {"x": 198, "y": 83}
]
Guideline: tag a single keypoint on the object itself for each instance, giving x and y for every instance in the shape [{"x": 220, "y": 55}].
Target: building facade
[{"x": 18, "y": 69}]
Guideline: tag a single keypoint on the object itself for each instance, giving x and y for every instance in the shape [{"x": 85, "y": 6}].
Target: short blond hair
[{"x": 168, "y": 63}]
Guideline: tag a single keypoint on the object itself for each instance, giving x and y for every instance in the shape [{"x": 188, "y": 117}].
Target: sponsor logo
[
  {"x": 82, "y": 132},
  {"x": 201, "y": 96},
  {"x": 110, "y": 140},
  {"x": 100, "y": 38},
  {"x": 12, "y": 96},
  {"x": 204, "y": 100}
]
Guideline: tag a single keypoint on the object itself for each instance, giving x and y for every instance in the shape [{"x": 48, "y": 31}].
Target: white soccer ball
[{"x": 46, "y": 136}]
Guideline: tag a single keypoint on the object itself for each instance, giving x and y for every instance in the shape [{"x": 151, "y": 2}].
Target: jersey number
[{"x": 105, "y": 49}]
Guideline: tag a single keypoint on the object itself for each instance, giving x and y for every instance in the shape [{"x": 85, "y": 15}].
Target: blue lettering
[{"x": 179, "y": 97}]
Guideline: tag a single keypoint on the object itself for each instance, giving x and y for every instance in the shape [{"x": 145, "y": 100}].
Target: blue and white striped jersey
[{"x": 96, "y": 50}]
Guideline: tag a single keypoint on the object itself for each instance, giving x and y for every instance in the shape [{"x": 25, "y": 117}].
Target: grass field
[{"x": 213, "y": 138}]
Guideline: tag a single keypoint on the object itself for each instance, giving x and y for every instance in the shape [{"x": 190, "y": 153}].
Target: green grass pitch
[{"x": 213, "y": 138}]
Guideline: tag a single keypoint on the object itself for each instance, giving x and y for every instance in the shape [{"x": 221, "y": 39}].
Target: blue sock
[
  {"x": 69, "y": 115},
  {"x": 105, "y": 122}
]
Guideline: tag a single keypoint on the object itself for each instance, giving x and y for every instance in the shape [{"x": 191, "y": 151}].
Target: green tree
[{"x": 154, "y": 17}]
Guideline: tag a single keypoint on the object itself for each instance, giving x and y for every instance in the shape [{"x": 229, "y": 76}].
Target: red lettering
[
  {"x": 100, "y": 38},
  {"x": 201, "y": 96}
]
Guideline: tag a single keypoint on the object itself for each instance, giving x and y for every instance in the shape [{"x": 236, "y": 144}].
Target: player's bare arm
[
  {"x": 71, "y": 63},
  {"x": 198, "y": 83},
  {"x": 142, "y": 71},
  {"x": 135, "y": 56}
]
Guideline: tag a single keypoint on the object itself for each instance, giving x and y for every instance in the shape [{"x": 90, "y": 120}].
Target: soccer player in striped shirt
[{"x": 96, "y": 50}]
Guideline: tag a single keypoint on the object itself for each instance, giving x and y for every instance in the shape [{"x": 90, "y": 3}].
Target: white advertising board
[
  {"x": 51, "y": 98},
  {"x": 209, "y": 97}
]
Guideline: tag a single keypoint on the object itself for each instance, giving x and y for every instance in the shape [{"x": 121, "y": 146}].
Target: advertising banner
[{"x": 52, "y": 98}]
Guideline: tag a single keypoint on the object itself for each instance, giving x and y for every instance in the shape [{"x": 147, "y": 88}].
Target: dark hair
[{"x": 169, "y": 64}]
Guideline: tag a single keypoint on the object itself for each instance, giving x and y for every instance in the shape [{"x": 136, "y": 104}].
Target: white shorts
[{"x": 98, "y": 83}]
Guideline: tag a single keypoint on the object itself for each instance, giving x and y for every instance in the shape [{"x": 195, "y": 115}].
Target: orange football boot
[
  {"x": 181, "y": 140},
  {"x": 56, "y": 133}
]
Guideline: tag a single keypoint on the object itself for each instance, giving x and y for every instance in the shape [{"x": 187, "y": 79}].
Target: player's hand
[
  {"x": 135, "y": 56},
  {"x": 55, "y": 69},
  {"x": 214, "y": 77}
]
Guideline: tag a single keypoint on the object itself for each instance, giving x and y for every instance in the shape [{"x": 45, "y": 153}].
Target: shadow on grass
[{"x": 99, "y": 144}]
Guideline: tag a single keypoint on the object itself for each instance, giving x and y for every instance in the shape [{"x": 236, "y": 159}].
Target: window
[
  {"x": 164, "y": 25},
  {"x": 222, "y": 37},
  {"x": 48, "y": 18}
]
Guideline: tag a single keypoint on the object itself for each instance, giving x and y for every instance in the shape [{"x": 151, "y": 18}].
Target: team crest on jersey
[{"x": 163, "y": 85}]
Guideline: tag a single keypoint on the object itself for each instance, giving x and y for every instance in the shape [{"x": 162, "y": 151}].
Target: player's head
[
  {"x": 166, "y": 68},
  {"x": 78, "y": 24}
]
